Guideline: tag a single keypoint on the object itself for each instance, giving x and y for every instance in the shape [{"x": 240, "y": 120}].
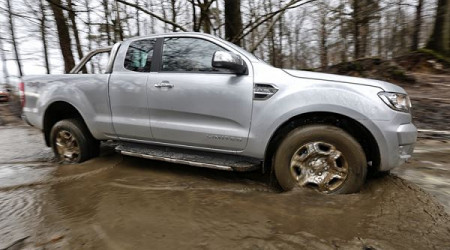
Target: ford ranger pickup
[{"x": 195, "y": 99}]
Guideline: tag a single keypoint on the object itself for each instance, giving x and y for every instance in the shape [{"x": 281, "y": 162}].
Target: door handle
[{"x": 164, "y": 84}]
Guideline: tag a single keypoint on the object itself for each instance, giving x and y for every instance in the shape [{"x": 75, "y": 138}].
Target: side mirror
[{"x": 229, "y": 60}]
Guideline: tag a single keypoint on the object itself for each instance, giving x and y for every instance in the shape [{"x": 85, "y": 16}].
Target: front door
[
  {"x": 128, "y": 90},
  {"x": 191, "y": 103}
]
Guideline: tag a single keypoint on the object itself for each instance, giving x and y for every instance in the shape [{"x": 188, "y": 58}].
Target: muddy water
[
  {"x": 117, "y": 202},
  {"x": 430, "y": 169}
]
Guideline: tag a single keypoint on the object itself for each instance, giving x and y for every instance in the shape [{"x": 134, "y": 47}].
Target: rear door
[{"x": 193, "y": 104}]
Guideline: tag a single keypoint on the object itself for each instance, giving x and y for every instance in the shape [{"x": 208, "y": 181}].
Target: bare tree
[
  {"x": 153, "y": 14},
  {"x": 138, "y": 21},
  {"x": 3, "y": 59},
  {"x": 14, "y": 41},
  {"x": 89, "y": 30},
  {"x": 233, "y": 20},
  {"x": 75, "y": 32},
  {"x": 106, "y": 13},
  {"x": 440, "y": 38},
  {"x": 43, "y": 31},
  {"x": 174, "y": 13},
  {"x": 417, "y": 26},
  {"x": 118, "y": 30},
  {"x": 63, "y": 34}
]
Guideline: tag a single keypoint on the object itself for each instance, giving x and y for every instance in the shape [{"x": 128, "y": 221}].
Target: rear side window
[
  {"x": 183, "y": 54},
  {"x": 139, "y": 55}
]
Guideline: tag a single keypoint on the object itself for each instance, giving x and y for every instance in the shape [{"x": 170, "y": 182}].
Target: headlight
[{"x": 396, "y": 101}]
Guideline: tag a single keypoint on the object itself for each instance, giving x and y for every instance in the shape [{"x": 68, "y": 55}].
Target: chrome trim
[
  {"x": 163, "y": 85},
  {"x": 261, "y": 95}
]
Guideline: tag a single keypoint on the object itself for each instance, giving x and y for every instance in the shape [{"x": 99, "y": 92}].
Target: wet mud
[
  {"x": 430, "y": 98},
  {"x": 115, "y": 202},
  {"x": 430, "y": 169}
]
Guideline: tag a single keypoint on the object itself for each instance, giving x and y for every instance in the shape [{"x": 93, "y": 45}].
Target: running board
[{"x": 190, "y": 157}]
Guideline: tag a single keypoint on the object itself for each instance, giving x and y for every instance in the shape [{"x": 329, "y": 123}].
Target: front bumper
[
  {"x": 407, "y": 137},
  {"x": 396, "y": 140}
]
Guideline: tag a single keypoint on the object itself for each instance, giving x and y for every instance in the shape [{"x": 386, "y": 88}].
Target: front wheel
[
  {"x": 323, "y": 157},
  {"x": 72, "y": 142}
]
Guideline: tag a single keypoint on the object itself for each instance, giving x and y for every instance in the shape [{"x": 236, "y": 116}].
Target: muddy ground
[{"x": 115, "y": 202}]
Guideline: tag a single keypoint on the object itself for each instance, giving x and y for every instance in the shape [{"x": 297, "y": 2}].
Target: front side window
[
  {"x": 139, "y": 55},
  {"x": 183, "y": 54}
]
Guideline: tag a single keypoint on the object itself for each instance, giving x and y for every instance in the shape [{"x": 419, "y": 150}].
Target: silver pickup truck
[{"x": 195, "y": 99}]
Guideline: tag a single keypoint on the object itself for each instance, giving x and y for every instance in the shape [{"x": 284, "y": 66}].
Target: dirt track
[
  {"x": 430, "y": 98},
  {"x": 117, "y": 202}
]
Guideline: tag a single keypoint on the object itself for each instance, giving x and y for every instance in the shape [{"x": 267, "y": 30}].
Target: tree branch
[
  {"x": 269, "y": 28},
  {"x": 268, "y": 16},
  {"x": 152, "y": 14}
]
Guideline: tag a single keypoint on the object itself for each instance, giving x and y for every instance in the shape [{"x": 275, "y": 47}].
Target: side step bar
[{"x": 190, "y": 157}]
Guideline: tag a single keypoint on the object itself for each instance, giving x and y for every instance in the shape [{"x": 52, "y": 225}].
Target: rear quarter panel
[{"x": 87, "y": 93}]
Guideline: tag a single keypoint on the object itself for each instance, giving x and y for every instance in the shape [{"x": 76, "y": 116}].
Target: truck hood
[{"x": 345, "y": 79}]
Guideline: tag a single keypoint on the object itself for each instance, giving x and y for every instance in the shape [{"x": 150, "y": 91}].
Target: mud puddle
[
  {"x": 137, "y": 203},
  {"x": 430, "y": 169}
]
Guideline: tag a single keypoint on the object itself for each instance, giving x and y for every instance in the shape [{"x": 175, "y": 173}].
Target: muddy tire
[
  {"x": 72, "y": 142},
  {"x": 323, "y": 157}
]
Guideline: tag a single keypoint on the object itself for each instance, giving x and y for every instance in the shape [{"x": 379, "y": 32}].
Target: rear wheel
[
  {"x": 72, "y": 142},
  {"x": 323, "y": 157}
]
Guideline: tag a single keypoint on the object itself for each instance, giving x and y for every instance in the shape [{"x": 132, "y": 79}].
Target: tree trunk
[
  {"x": 355, "y": 16},
  {"x": 379, "y": 39},
  {"x": 3, "y": 59},
  {"x": 63, "y": 35},
  {"x": 164, "y": 15},
  {"x": 196, "y": 27},
  {"x": 118, "y": 30},
  {"x": 152, "y": 20},
  {"x": 440, "y": 38},
  {"x": 75, "y": 28},
  {"x": 43, "y": 31},
  {"x": 403, "y": 32},
  {"x": 174, "y": 13},
  {"x": 343, "y": 30},
  {"x": 280, "y": 37},
  {"x": 417, "y": 26},
  {"x": 233, "y": 20},
  {"x": 138, "y": 22},
  {"x": 13, "y": 37},
  {"x": 204, "y": 21},
  {"x": 323, "y": 41},
  {"x": 89, "y": 28},
  {"x": 107, "y": 28}
]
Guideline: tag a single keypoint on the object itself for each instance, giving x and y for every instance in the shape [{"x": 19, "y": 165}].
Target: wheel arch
[
  {"x": 353, "y": 127},
  {"x": 57, "y": 111}
]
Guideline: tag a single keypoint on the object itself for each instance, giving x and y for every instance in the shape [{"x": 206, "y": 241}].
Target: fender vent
[{"x": 264, "y": 91}]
